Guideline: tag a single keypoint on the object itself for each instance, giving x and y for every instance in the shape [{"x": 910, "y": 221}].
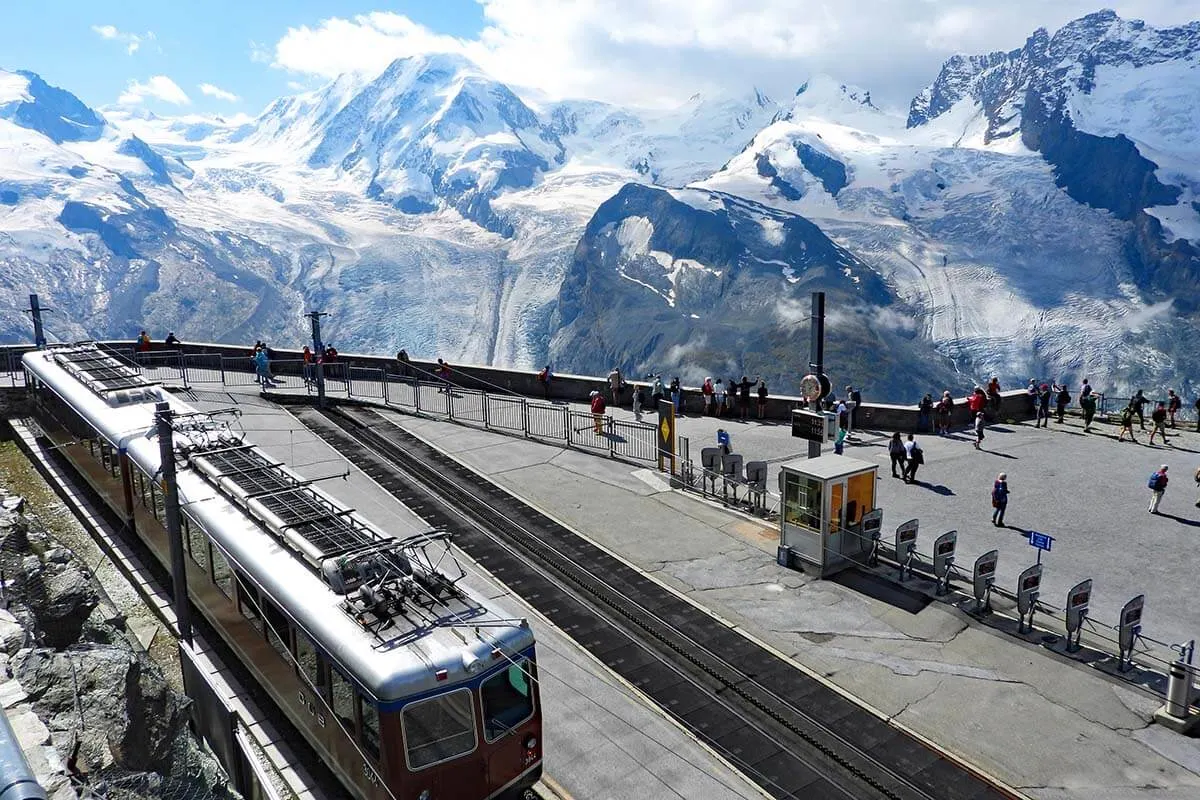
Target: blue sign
[{"x": 1040, "y": 540}]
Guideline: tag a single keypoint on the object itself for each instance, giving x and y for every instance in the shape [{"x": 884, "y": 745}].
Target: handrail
[{"x": 17, "y": 781}]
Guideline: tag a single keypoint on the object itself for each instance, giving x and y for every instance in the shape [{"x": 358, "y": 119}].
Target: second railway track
[{"x": 792, "y": 735}]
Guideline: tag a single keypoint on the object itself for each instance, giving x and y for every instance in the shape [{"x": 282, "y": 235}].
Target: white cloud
[
  {"x": 132, "y": 41},
  {"x": 215, "y": 91},
  {"x": 663, "y": 51},
  {"x": 160, "y": 87}
]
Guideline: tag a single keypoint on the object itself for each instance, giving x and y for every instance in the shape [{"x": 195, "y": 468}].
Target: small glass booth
[{"x": 824, "y": 502}]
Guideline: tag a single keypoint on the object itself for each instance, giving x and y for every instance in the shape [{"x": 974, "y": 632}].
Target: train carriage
[{"x": 404, "y": 682}]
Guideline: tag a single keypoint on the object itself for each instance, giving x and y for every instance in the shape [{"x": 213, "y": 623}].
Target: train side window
[
  {"x": 278, "y": 629},
  {"x": 507, "y": 699},
  {"x": 370, "y": 727},
  {"x": 342, "y": 696},
  {"x": 309, "y": 662},
  {"x": 197, "y": 542},
  {"x": 247, "y": 599},
  {"x": 439, "y": 729},
  {"x": 220, "y": 573}
]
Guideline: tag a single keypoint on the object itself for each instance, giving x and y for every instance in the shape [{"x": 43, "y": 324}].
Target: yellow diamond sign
[{"x": 665, "y": 428}]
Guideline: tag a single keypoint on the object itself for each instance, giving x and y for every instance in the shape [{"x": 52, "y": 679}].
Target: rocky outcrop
[{"x": 93, "y": 712}]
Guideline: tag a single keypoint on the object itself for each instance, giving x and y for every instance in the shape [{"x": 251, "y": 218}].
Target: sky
[{"x": 226, "y": 57}]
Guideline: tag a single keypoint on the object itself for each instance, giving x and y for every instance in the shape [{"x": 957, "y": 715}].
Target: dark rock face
[
  {"x": 829, "y": 171},
  {"x": 1026, "y": 92},
  {"x": 160, "y": 168},
  {"x": 58, "y": 114},
  {"x": 723, "y": 289}
]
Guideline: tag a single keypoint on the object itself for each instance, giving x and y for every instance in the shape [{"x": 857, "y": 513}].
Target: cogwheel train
[{"x": 407, "y": 685}]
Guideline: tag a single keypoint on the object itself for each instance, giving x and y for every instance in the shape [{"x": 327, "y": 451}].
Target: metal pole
[
  {"x": 166, "y": 453},
  {"x": 35, "y": 309},
  {"x": 816, "y": 349},
  {"x": 318, "y": 354}
]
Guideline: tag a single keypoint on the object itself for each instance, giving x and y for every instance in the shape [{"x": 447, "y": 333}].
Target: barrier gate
[
  {"x": 1129, "y": 626},
  {"x": 1077, "y": 608},
  {"x": 1027, "y": 594},
  {"x": 983, "y": 578},
  {"x": 943, "y": 560},
  {"x": 906, "y": 545}
]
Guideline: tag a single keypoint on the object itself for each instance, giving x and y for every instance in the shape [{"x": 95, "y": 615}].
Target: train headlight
[
  {"x": 424, "y": 795},
  {"x": 530, "y": 742}
]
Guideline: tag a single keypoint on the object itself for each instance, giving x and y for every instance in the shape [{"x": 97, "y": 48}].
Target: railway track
[{"x": 792, "y": 735}]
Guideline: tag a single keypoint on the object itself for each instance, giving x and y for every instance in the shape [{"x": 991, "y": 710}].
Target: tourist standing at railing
[
  {"x": 443, "y": 373},
  {"x": 1197, "y": 407},
  {"x": 307, "y": 355},
  {"x": 171, "y": 340},
  {"x": 762, "y": 398},
  {"x": 639, "y": 398},
  {"x": 993, "y": 397},
  {"x": 706, "y": 393},
  {"x": 945, "y": 408},
  {"x": 719, "y": 397},
  {"x": 143, "y": 342},
  {"x": 1173, "y": 405},
  {"x": 1136, "y": 403},
  {"x": 1031, "y": 395},
  {"x": 262, "y": 366},
  {"x": 656, "y": 391},
  {"x": 1060, "y": 402},
  {"x": 544, "y": 378},
  {"x": 925, "y": 413},
  {"x": 1043, "y": 410},
  {"x": 404, "y": 364},
  {"x": 744, "y": 397},
  {"x": 677, "y": 395}
]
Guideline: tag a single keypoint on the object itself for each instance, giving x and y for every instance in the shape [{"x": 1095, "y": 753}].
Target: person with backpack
[
  {"x": 1136, "y": 403},
  {"x": 1173, "y": 405},
  {"x": 898, "y": 455},
  {"x": 914, "y": 458},
  {"x": 1158, "y": 422},
  {"x": 724, "y": 441},
  {"x": 1061, "y": 401},
  {"x": 543, "y": 378},
  {"x": 999, "y": 499},
  {"x": 598, "y": 409},
  {"x": 1158, "y": 486},
  {"x": 1127, "y": 424},
  {"x": 980, "y": 424},
  {"x": 925, "y": 413},
  {"x": 1087, "y": 404}
]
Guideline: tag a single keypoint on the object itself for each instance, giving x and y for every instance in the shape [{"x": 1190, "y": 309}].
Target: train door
[{"x": 511, "y": 730}]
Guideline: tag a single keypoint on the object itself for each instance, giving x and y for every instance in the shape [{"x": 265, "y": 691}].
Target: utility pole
[
  {"x": 318, "y": 354},
  {"x": 35, "y": 310},
  {"x": 170, "y": 488},
  {"x": 816, "y": 365}
]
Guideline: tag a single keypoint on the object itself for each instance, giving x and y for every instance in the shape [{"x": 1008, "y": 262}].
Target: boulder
[{"x": 61, "y": 597}]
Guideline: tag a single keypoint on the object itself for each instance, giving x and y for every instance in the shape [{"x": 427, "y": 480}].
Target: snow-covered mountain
[{"x": 1035, "y": 212}]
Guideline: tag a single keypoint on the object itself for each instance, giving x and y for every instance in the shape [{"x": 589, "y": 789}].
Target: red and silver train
[{"x": 408, "y": 685}]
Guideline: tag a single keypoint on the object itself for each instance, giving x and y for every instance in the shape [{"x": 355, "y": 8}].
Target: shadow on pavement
[
  {"x": 1181, "y": 520},
  {"x": 945, "y": 491}
]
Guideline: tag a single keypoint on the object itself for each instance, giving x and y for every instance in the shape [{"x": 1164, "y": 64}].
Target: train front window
[
  {"x": 439, "y": 729},
  {"x": 507, "y": 699}
]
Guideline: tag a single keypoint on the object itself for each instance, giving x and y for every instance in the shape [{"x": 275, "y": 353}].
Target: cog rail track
[{"x": 786, "y": 731}]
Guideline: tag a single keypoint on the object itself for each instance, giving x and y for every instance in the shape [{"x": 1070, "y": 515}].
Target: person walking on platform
[
  {"x": 724, "y": 441},
  {"x": 914, "y": 458},
  {"x": 980, "y": 424},
  {"x": 1136, "y": 403},
  {"x": 999, "y": 499},
  {"x": 898, "y": 455},
  {"x": 1198, "y": 484},
  {"x": 598, "y": 409},
  {"x": 1158, "y": 486},
  {"x": 1158, "y": 422},
  {"x": 1127, "y": 424},
  {"x": 262, "y": 368},
  {"x": 1087, "y": 404},
  {"x": 839, "y": 441},
  {"x": 1173, "y": 405}
]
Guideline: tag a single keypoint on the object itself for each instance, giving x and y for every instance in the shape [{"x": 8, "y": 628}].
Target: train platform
[
  {"x": 601, "y": 739},
  {"x": 1048, "y": 726}
]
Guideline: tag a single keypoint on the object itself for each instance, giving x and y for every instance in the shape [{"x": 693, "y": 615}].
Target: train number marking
[{"x": 311, "y": 706}]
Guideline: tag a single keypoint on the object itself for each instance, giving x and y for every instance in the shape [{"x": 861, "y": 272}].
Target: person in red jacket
[{"x": 598, "y": 409}]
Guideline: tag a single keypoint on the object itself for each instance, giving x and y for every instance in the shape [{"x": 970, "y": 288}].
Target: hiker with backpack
[
  {"x": 1157, "y": 485},
  {"x": 898, "y": 455},
  {"x": 914, "y": 458},
  {"x": 1158, "y": 422},
  {"x": 999, "y": 499},
  {"x": 1173, "y": 405},
  {"x": 1127, "y": 424}
]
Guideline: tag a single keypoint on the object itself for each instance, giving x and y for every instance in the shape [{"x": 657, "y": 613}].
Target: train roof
[{"x": 330, "y": 569}]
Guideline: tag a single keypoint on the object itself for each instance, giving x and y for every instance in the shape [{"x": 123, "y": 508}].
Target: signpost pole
[
  {"x": 816, "y": 350},
  {"x": 318, "y": 355},
  {"x": 166, "y": 450}
]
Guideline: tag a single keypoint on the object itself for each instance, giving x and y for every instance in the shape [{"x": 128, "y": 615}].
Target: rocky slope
[{"x": 93, "y": 712}]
